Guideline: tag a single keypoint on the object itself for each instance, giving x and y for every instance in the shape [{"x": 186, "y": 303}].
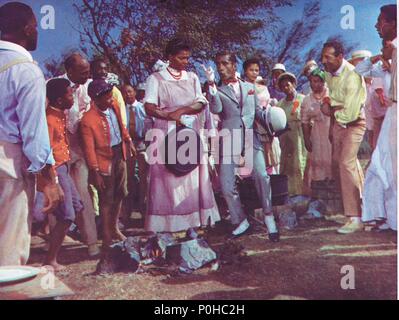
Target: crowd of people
[{"x": 83, "y": 148}]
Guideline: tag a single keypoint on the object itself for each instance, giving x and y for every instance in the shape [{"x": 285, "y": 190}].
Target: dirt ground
[{"x": 305, "y": 264}]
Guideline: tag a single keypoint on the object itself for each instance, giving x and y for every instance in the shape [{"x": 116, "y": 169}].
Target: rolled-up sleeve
[
  {"x": 31, "y": 113},
  {"x": 366, "y": 69}
]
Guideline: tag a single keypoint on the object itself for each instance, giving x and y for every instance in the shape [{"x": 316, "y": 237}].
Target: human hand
[
  {"x": 133, "y": 151},
  {"x": 97, "y": 180},
  {"x": 53, "y": 195},
  {"x": 209, "y": 73},
  {"x": 175, "y": 116}
]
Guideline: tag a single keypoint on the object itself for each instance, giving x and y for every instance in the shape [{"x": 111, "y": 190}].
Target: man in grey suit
[{"x": 236, "y": 104}]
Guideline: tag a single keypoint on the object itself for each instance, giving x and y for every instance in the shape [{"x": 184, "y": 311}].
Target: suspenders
[{"x": 13, "y": 63}]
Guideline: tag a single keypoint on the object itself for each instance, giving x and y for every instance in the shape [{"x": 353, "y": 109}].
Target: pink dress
[
  {"x": 178, "y": 203},
  {"x": 321, "y": 155}
]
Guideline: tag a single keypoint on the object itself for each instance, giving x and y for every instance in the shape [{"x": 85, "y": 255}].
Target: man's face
[
  {"x": 100, "y": 71},
  {"x": 129, "y": 94},
  {"x": 179, "y": 61},
  {"x": 80, "y": 72},
  {"x": 252, "y": 72},
  {"x": 287, "y": 87},
  {"x": 226, "y": 68},
  {"x": 316, "y": 83},
  {"x": 104, "y": 101},
  {"x": 275, "y": 74},
  {"x": 331, "y": 62},
  {"x": 31, "y": 34},
  {"x": 385, "y": 29},
  {"x": 67, "y": 100},
  {"x": 140, "y": 94}
]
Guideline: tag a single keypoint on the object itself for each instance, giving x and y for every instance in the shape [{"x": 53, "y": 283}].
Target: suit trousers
[
  {"x": 79, "y": 173},
  {"x": 17, "y": 190},
  {"x": 346, "y": 166},
  {"x": 229, "y": 185}
]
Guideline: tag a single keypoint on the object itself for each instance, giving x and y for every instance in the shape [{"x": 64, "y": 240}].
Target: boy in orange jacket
[{"x": 106, "y": 143}]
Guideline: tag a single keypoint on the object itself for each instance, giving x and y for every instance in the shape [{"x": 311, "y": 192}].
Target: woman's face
[
  {"x": 316, "y": 83},
  {"x": 179, "y": 61},
  {"x": 252, "y": 72},
  {"x": 287, "y": 87}
]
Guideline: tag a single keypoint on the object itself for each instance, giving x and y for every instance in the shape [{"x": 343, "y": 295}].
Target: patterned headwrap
[
  {"x": 319, "y": 73},
  {"x": 113, "y": 79}
]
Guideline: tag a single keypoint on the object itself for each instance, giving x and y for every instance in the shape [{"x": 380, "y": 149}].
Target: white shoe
[
  {"x": 351, "y": 227},
  {"x": 243, "y": 226}
]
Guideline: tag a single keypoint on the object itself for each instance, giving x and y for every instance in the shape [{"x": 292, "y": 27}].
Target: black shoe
[{"x": 274, "y": 237}]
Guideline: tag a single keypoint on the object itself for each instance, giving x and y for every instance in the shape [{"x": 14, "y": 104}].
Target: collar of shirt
[
  {"x": 73, "y": 85},
  {"x": 59, "y": 112},
  {"x": 340, "y": 69},
  {"x": 136, "y": 103},
  {"x": 395, "y": 42},
  {"x": 105, "y": 112},
  {"x": 6, "y": 45}
]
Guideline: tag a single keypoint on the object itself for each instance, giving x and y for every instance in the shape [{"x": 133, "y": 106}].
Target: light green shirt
[{"x": 347, "y": 89}]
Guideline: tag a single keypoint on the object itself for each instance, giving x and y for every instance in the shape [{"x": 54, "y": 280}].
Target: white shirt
[
  {"x": 22, "y": 106},
  {"x": 366, "y": 69},
  {"x": 340, "y": 69},
  {"x": 81, "y": 104},
  {"x": 234, "y": 85},
  {"x": 393, "y": 89}
]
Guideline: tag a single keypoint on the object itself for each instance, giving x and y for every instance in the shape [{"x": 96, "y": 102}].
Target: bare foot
[{"x": 53, "y": 266}]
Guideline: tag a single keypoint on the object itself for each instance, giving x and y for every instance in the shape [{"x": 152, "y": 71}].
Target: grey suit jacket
[{"x": 236, "y": 114}]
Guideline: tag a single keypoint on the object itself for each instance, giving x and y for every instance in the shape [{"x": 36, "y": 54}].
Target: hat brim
[{"x": 284, "y": 76}]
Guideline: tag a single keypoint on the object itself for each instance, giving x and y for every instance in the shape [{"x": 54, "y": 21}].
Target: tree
[{"x": 133, "y": 34}]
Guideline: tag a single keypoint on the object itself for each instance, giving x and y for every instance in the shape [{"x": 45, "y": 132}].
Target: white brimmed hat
[
  {"x": 361, "y": 54},
  {"x": 275, "y": 120},
  {"x": 279, "y": 66}
]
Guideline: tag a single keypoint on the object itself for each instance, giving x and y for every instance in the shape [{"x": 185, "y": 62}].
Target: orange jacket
[
  {"x": 56, "y": 123},
  {"x": 96, "y": 137}
]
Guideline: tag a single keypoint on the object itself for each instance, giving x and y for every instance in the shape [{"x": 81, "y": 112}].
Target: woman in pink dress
[
  {"x": 173, "y": 96},
  {"x": 315, "y": 126}
]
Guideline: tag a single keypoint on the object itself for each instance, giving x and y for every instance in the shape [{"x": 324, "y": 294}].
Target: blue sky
[{"x": 53, "y": 42}]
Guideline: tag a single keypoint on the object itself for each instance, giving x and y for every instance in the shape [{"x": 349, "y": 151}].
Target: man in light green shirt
[{"x": 347, "y": 95}]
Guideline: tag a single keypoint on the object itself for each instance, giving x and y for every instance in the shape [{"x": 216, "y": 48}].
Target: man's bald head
[{"x": 77, "y": 68}]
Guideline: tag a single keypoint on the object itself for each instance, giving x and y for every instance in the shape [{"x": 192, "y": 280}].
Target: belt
[{"x": 354, "y": 123}]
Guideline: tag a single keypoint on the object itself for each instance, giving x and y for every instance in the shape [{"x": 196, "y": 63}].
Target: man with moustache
[{"x": 345, "y": 105}]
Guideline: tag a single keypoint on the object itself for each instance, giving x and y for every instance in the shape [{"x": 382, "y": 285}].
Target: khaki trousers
[
  {"x": 346, "y": 166},
  {"x": 80, "y": 175},
  {"x": 17, "y": 190}
]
